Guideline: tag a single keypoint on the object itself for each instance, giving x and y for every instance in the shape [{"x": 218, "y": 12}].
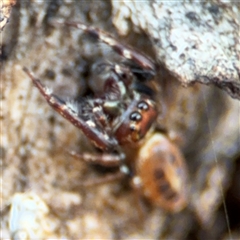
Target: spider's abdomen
[{"x": 161, "y": 170}]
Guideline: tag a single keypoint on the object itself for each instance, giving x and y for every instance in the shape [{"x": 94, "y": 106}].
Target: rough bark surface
[
  {"x": 197, "y": 42},
  {"x": 35, "y": 140}
]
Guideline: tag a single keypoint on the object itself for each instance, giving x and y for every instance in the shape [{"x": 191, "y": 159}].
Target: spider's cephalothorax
[{"x": 122, "y": 114}]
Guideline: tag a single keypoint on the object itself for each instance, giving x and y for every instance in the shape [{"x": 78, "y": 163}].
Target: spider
[{"x": 120, "y": 121}]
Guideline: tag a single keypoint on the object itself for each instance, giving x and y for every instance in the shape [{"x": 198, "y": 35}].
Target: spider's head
[{"x": 135, "y": 123}]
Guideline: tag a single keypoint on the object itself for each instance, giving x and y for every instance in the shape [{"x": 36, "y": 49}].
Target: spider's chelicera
[{"x": 122, "y": 116}]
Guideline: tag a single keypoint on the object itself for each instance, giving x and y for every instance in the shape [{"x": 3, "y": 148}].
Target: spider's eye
[
  {"x": 135, "y": 116},
  {"x": 142, "y": 106}
]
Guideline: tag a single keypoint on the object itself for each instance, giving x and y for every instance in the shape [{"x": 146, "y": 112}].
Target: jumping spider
[{"x": 123, "y": 117}]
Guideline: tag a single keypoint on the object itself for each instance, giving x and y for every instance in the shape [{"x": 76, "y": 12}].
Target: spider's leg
[
  {"x": 103, "y": 159},
  {"x": 98, "y": 136},
  {"x": 127, "y": 52},
  {"x": 106, "y": 160}
]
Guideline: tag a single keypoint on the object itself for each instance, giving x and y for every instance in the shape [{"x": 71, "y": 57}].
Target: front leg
[
  {"x": 127, "y": 52},
  {"x": 106, "y": 160},
  {"x": 99, "y": 137}
]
